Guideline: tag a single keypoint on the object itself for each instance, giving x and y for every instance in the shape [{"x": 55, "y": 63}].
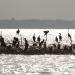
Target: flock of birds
[
  {"x": 57, "y": 39},
  {"x": 36, "y": 44}
]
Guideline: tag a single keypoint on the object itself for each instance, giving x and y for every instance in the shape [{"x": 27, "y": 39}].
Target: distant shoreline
[{"x": 37, "y": 24}]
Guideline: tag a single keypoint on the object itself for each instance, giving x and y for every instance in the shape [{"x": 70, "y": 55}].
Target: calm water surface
[{"x": 37, "y": 64}]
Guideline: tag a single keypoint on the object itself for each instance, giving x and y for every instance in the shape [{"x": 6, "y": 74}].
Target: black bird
[
  {"x": 56, "y": 39},
  {"x": 60, "y": 37},
  {"x": 46, "y": 32},
  {"x": 18, "y": 31},
  {"x": 41, "y": 43},
  {"x": 26, "y": 44},
  {"x": 69, "y": 35},
  {"x": 34, "y": 37},
  {"x": 38, "y": 38}
]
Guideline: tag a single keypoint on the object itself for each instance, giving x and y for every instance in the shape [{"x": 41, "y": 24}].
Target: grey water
[
  {"x": 37, "y": 64},
  {"x": 37, "y": 24}
]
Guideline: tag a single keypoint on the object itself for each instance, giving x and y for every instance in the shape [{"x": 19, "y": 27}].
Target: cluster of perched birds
[
  {"x": 16, "y": 41},
  {"x": 38, "y": 46}
]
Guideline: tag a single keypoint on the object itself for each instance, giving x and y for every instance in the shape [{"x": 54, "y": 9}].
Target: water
[{"x": 37, "y": 64}]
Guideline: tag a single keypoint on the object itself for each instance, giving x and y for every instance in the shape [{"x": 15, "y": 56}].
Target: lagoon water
[{"x": 37, "y": 64}]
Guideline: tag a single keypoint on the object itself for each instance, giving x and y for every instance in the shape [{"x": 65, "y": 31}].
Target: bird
[
  {"x": 18, "y": 31},
  {"x": 34, "y": 37},
  {"x": 38, "y": 38},
  {"x": 69, "y": 35},
  {"x": 56, "y": 39},
  {"x": 46, "y": 32},
  {"x": 60, "y": 37}
]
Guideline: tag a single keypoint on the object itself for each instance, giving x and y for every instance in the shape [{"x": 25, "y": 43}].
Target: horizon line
[{"x": 40, "y": 19}]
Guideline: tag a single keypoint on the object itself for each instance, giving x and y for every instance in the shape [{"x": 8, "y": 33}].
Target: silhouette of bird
[
  {"x": 38, "y": 38},
  {"x": 41, "y": 43},
  {"x": 46, "y": 32},
  {"x": 69, "y": 35},
  {"x": 34, "y": 37},
  {"x": 18, "y": 31},
  {"x": 26, "y": 44},
  {"x": 56, "y": 39},
  {"x": 60, "y": 37}
]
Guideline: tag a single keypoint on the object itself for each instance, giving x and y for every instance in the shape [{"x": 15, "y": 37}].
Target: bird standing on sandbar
[
  {"x": 60, "y": 37},
  {"x": 34, "y": 38},
  {"x": 18, "y": 31}
]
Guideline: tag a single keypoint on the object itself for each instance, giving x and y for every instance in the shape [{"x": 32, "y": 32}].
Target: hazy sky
[{"x": 37, "y": 9}]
